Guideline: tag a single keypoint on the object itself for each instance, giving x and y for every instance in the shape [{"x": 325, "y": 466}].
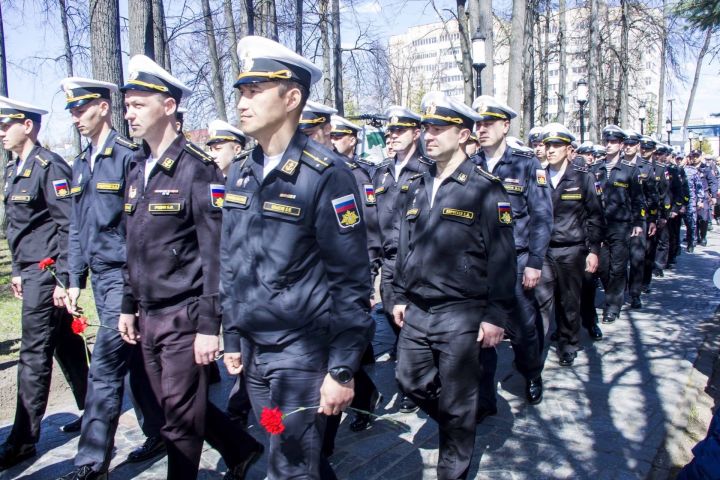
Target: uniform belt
[
  {"x": 566, "y": 244},
  {"x": 434, "y": 306},
  {"x": 518, "y": 251},
  {"x": 166, "y": 305}
]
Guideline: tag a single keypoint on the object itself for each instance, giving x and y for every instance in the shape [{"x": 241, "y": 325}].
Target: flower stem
[{"x": 87, "y": 354}]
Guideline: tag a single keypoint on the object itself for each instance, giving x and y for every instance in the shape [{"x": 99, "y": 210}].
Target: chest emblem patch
[{"x": 346, "y": 211}]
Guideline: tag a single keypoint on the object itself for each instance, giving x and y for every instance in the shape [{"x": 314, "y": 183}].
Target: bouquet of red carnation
[{"x": 272, "y": 418}]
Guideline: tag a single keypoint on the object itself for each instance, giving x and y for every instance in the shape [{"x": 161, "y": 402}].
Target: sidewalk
[{"x": 604, "y": 418}]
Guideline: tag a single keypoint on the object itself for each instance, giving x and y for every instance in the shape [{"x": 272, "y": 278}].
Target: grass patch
[{"x": 11, "y": 310}]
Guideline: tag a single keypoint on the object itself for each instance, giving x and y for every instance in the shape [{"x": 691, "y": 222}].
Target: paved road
[{"x": 605, "y": 418}]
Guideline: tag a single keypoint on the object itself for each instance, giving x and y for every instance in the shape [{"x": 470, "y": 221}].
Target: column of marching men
[{"x": 472, "y": 237}]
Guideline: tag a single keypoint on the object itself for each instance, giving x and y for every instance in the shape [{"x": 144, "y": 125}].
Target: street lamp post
[
  {"x": 478, "y": 59},
  {"x": 642, "y": 115},
  {"x": 582, "y": 98},
  {"x": 701, "y": 137},
  {"x": 668, "y": 129},
  {"x": 691, "y": 137}
]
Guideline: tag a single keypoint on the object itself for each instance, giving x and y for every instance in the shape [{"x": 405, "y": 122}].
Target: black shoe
[
  {"x": 691, "y": 248},
  {"x": 11, "y": 455},
  {"x": 670, "y": 266},
  {"x": 534, "y": 390},
  {"x": 153, "y": 447},
  {"x": 702, "y": 243},
  {"x": 658, "y": 273},
  {"x": 554, "y": 336},
  {"x": 645, "y": 289},
  {"x": 407, "y": 405},
  {"x": 362, "y": 421},
  {"x": 484, "y": 412},
  {"x": 73, "y": 426},
  {"x": 567, "y": 358},
  {"x": 609, "y": 317},
  {"x": 85, "y": 473},
  {"x": 237, "y": 472},
  {"x": 595, "y": 332},
  {"x": 635, "y": 302}
]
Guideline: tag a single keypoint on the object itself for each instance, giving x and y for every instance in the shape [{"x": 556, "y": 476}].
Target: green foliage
[{"x": 701, "y": 14}]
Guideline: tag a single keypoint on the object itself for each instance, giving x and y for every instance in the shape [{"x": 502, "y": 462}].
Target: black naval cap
[
  {"x": 647, "y": 143},
  {"x": 613, "y": 132},
  {"x": 400, "y": 117},
  {"x": 632, "y": 137},
  {"x": 439, "y": 109},
  {"x": 557, "y": 133},
  {"x": 147, "y": 76},
  {"x": 11, "y": 110},
  {"x": 79, "y": 91}
]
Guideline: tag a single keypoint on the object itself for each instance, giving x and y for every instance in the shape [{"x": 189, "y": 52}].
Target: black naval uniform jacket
[
  {"x": 37, "y": 205},
  {"x": 368, "y": 204},
  {"x": 646, "y": 175},
  {"x": 621, "y": 193},
  {"x": 459, "y": 253},
  {"x": 390, "y": 193},
  {"x": 578, "y": 217},
  {"x": 662, "y": 182},
  {"x": 173, "y": 233},
  {"x": 527, "y": 186},
  {"x": 97, "y": 232},
  {"x": 678, "y": 189},
  {"x": 294, "y": 261}
]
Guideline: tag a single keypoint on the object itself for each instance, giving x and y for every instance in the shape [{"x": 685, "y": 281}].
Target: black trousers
[
  {"x": 662, "y": 254},
  {"x": 614, "y": 264},
  {"x": 674, "y": 232},
  {"x": 45, "y": 332},
  {"x": 168, "y": 337},
  {"x": 652, "y": 252},
  {"x": 111, "y": 361},
  {"x": 638, "y": 249},
  {"x": 566, "y": 266},
  {"x": 439, "y": 367}
]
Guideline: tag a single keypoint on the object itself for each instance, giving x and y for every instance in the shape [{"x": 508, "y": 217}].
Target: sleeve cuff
[
  {"x": 535, "y": 262},
  {"x": 129, "y": 305},
  {"x": 231, "y": 342},
  {"x": 208, "y": 325},
  {"x": 78, "y": 281}
]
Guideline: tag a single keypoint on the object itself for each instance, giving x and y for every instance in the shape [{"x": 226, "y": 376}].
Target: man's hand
[
  {"x": 652, "y": 229},
  {"x": 636, "y": 231},
  {"x": 207, "y": 348},
  {"x": 399, "y": 315},
  {"x": 336, "y": 397},
  {"x": 591, "y": 263},
  {"x": 17, "y": 287},
  {"x": 59, "y": 295},
  {"x": 73, "y": 294},
  {"x": 233, "y": 362},
  {"x": 126, "y": 326},
  {"x": 531, "y": 276},
  {"x": 489, "y": 335},
  {"x": 673, "y": 214}
]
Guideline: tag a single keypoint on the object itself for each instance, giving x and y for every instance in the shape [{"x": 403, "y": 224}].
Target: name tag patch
[
  {"x": 571, "y": 196},
  {"x": 512, "y": 188},
  {"x": 161, "y": 208},
  {"x": 20, "y": 198},
  {"x": 129, "y": 207},
  {"x": 108, "y": 186},
  {"x": 453, "y": 212},
  {"x": 282, "y": 208},
  {"x": 620, "y": 184}
]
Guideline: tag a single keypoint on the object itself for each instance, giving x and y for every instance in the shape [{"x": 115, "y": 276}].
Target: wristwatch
[{"x": 341, "y": 375}]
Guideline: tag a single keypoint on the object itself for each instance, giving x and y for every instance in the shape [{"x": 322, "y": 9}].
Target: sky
[{"x": 34, "y": 43}]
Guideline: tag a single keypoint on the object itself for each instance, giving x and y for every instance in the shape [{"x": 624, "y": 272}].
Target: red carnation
[
  {"x": 45, "y": 263},
  {"x": 79, "y": 325},
  {"x": 271, "y": 419}
]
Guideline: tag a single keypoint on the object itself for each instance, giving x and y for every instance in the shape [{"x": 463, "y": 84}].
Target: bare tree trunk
[
  {"x": 515, "y": 68},
  {"x": 69, "y": 63},
  {"x": 250, "y": 17},
  {"x": 325, "y": 41},
  {"x": 140, "y": 28},
  {"x": 337, "y": 59},
  {"x": 696, "y": 80},
  {"x": 215, "y": 70},
  {"x": 162, "y": 52},
  {"x": 467, "y": 69},
  {"x": 593, "y": 70},
  {"x": 663, "y": 68},
  {"x": 544, "y": 70},
  {"x": 106, "y": 53},
  {"x": 232, "y": 35},
  {"x": 5, "y": 154},
  {"x": 562, "y": 81},
  {"x": 272, "y": 20},
  {"x": 485, "y": 21},
  {"x": 298, "y": 27},
  {"x": 528, "y": 105},
  {"x": 624, "y": 67}
]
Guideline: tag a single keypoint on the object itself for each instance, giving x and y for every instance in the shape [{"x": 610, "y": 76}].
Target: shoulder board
[
  {"x": 425, "y": 160},
  {"x": 487, "y": 175},
  {"x": 120, "y": 140},
  {"x": 578, "y": 168},
  {"x": 43, "y": 163},
  {"x": 522, "y": 153},
  {"x": 198, "y": 153},
  {"x": 625, "y": 162},
  {"x": 317, "y": 163},
  {"x": 351, "y": 165},
  {"x": 415, "y": 177},
  {"x": 242, "y": 156}
]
